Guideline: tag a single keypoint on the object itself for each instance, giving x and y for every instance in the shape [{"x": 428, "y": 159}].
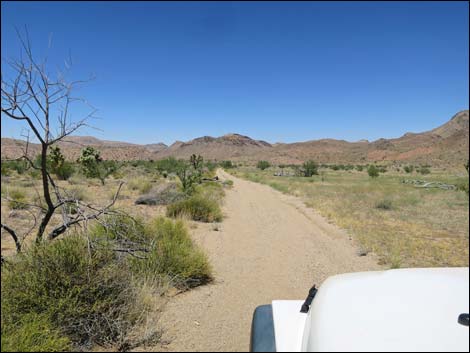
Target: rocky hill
[{"x": 446, "y": 145}]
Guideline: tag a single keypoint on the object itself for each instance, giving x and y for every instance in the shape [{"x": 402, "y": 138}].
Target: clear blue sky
[{"x": 278, "y": 71}]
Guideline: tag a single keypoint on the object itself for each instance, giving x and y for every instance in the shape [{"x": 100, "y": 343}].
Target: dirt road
[{"x": 269, "y": 246}]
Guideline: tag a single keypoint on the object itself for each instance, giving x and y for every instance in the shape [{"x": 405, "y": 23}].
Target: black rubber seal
[
  {"x": 262, "y": 330},
  {"x": 463, "y": 319}
]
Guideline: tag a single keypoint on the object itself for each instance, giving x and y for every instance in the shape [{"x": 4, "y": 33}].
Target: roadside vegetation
[
  {"x": 405, "y": 224},
  {"x": 105, "y": 284}
]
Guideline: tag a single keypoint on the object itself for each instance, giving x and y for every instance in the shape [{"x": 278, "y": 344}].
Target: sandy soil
[{"x": 269, "y": 246}]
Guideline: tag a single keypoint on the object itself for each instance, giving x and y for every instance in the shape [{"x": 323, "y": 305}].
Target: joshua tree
[
  {"x": 191, "y": 173},
  {"x": 32, "y": 95}
]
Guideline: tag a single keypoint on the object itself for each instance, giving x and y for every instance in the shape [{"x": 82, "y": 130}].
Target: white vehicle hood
[{"x": 395, "y": 310}]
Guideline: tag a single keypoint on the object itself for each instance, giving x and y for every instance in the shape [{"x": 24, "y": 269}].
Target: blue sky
[{"x": 277, "y": 71}]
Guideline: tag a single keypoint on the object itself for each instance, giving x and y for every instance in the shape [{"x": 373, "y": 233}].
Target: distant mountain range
[{"x": 446, "y": 145}]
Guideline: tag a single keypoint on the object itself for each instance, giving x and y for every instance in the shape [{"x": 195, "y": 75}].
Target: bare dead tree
[{"x": 43, "y": 102}]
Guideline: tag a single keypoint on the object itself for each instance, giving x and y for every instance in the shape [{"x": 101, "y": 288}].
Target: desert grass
[{"x": 404, "y": 225}]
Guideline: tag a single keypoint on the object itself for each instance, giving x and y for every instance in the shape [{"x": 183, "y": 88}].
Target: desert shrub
[
  {"x": 5, "y": 171},
  {"x": 227, "y": 164},
  {"x": 263, "y": 165},
  {"x": 309, "y": 168},
  {"x": 72, "y": 208},
  {"x": 168, "y": 165},
  {"x": 334, "y": 167},
  {"x": 17, "y": 199},
  {"x": 120, "y": 229},
  {"x": 33, "y": 333},
  {"x": 385, "y": 204},
  {"x": 197, "y": 208},
  {"x": 382, "y": 169},
  {"x": 20, "y": 166},
  {"x": 35, "y": 173},
  {"x": 169, "y": 254},
  {"x": 212, "y": 191},
  {"x": 172, "y": 253},
  {"x": 163, "y": 194},
  {"x": 77, "y": 192},
  {"x": 142, "y": 184},
  {"x": 408, "y": 168},
  {"x": 118, "y": 174},
  {"x": 359, "y": 168},
  {"x": 373, "y": 171},
  {"x": 424, "y": 170},
  {"x": 211, "y": 168},
  {"x": 463, "y": 186},
  {"x": 65, "y": 170},
  {"x": 227, "y": 183},
  {"x": 82, "y": 291},
  {"x": 280, "y": 187},
  {"x": 76, "y": 179}
]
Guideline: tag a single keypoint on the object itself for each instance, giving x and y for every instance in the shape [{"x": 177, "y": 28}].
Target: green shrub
[
  {"x": 162, "y": 194},
  {"x": 166, "y": 253},
  {"x": 359, "y": 168},
  {"x": 385, "y": 204},
  {"x": 35, "y": 173},
  {"x": 33, "y": 333},
  {"x": 425, "y": 170},
  {"x": 463, "y": 186},
  {"x": 263, "y": 165},
  {"x": 373, "y": 171},
  {"x": 17, "y": 199},
  {"x": 119, "y": 228},
  {"x": 227, "y": 183},
  {"x": 77, "y": 192},
  {"x": 198, "y": 208},
  {"x": 227, "y": 164},
  {"x": 382, "y": 170},
  {"x": 76, "y": 179},
  {"x": 20, "y": 166},
  {"x": 5, "y": 171},
  {"x": 80, "y": 290},
  {"x": 212, "y": 191},
  {"x": 168, "y": 165},
  {"x": 172, "y": 253},
  {"x": 408, "y": 168},
  {"x": 142, "y": 184},
  {"x": 211, "y": 166},
  {"x": 310, "y": 168},
  {"x": 65, "y": 170}
]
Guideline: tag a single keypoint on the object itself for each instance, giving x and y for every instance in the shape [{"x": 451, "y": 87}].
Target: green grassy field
[{"x": 404, "y": 225}]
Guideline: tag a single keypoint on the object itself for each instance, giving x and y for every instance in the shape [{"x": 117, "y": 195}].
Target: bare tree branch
[
  {"x": 13, "y": 235},
  {"x": 84, "y": 217},
  {"x": 32, "y": 96}
]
